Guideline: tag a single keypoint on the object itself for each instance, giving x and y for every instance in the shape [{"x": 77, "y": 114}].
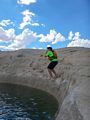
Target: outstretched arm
[{"x": 44, "y": 54}]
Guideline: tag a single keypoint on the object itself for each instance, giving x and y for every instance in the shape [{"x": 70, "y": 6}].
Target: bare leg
[
  {"x": 54, "y": 72},
  {"x": 50, "y": 73}
]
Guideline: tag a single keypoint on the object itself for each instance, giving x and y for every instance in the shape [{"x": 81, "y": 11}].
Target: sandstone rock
[{"x": 71, "y": 88}]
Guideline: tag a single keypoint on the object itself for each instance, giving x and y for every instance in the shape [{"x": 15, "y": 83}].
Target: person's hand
[
  {"x": 41, "y": 55},
  {"x": 62, "y": 59}
]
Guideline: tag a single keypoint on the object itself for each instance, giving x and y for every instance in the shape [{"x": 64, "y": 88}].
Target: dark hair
[{"x": 50, "y": 48}]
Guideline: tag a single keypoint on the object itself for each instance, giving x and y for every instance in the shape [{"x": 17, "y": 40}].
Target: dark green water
[{"x": 25, "y": 103}]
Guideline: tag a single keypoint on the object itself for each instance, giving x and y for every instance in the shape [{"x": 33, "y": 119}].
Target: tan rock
[{"x": 71, "y": 88}]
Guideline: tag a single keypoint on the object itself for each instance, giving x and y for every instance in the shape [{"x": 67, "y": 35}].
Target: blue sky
[{"x": 37, "y": 23}]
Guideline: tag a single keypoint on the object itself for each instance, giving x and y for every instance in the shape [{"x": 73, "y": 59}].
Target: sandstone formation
[{"x": 71, "y": 88}]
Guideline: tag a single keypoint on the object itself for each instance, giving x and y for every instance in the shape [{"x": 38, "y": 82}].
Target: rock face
[{"x": 71, "y": 88}]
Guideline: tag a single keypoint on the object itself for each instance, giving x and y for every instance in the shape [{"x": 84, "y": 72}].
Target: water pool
[{"x": 24, "y": 103}]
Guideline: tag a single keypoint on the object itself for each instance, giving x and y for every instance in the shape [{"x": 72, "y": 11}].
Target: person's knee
[{"x": 48, "y": 69}]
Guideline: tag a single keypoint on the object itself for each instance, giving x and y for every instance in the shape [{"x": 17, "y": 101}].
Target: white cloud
[
  {"x": 58, "y": 38},
  {"x": 37, "y": 48},
  {"x": 5, "y": 22},
  {"x": 22, "y": 25},
  {"x": 11, "y": 41},
  {"x": 19, "y": 41},
  {"x": 78, "y": 42},
  {"x": 43, "y": 25},
  {"x": 26, "y": 2},
  {"x": 34, "y": 48},
  {"x": 27, "y": 12},
  {"x": 6, "y": 35},
  {"x": 76, "y": 36},
  {"x": 23, "y": 39},
  {"x": 70, "y": 35},
  {"x": 10, "y": 33},
  {"x": 40, "y": 48},
  {"x": 2, "y": 31},
  {"x": 52, "y": 37},
  {"x": 27, "y": 19},
  {"x": 35, "y": 24}
]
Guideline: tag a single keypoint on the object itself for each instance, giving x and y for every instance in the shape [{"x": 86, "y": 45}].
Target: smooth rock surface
[{"x": 71, "y": 88}]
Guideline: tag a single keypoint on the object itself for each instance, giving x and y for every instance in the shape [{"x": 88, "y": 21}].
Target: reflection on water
[{"x": 24, "y": 103}]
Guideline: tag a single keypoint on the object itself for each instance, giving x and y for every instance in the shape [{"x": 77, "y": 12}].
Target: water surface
[{"x": 24, "y": 103}]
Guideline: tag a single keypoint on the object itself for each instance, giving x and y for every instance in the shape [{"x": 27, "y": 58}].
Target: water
[{"x": 25, "y": 103}]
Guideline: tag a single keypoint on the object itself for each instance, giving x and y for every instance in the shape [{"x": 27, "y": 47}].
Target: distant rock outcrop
[{"x": 71, "y": 88}]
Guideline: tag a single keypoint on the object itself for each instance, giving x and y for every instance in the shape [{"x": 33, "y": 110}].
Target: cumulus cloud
[
  {"x": 76, "y": 41},
  {"x": 26, "y": 2},
  {"x": 2, "y": 31},
  {"x": 26, "y": 38},
  {"x": 27, "y": 19},
  {"x": 70, "y": 35},
  {"x": 6, "y": 35},
  {"x": 58, "y": 38},
  {"x": 19, "y": 41},
  {"x": 5, "y": 23},
  {"x": 10, "y": 41},
  {"x": 23, "y": 39},
  {"x": 80, "y": 43},
  {"x": 76, "y": 36},
  {"x": 52, "y": 37}
]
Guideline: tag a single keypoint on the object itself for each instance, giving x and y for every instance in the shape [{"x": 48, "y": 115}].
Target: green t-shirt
[{"x": 51, "y": 56}]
